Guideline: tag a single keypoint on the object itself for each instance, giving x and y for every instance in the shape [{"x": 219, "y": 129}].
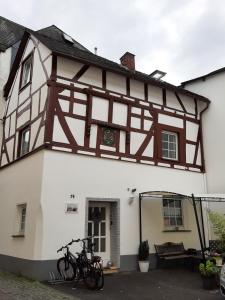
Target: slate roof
[
  {"x": 52, "y": 37},
  {"x": 10, "y": 33},
  {"x": 60, "y": 46},
  {"x": 56, "y": 34}
]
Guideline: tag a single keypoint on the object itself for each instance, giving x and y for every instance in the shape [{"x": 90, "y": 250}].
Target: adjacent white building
[
  {"x": 212, "y": 86},
  {"x": 82, "y": 136}
]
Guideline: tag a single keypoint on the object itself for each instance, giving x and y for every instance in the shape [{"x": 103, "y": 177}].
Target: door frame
[{"x": 114, "y": 225}]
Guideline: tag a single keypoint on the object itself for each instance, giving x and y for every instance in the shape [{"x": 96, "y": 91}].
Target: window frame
[
  {"x": 20, "y": 220},
  {"x": 176, "y": 143},
  {"x": 181, "y": 147},
  {"x": 176, "y": 226},
  {"x": 21, "y": 132},
  {"x": 29, "y": 57}
]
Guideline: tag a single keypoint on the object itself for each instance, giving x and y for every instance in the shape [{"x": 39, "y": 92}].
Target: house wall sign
[{"x": 71, "y": 208}]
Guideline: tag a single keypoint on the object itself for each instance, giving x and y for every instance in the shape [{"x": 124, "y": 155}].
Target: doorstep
[{"x": 111, "y": 270}]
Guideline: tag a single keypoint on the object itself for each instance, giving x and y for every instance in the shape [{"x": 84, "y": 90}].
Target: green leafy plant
[
  {"x": 218, "y": 224},
  {"x": 208, "y": 269},
  {"x": 143, "y": 253}
]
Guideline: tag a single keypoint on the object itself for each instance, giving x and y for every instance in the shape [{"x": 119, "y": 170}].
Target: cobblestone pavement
[{"x": 14, "y": 287}]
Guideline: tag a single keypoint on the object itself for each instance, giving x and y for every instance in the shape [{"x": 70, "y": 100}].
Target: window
[
  {"x": 20, "y": 220},
  {"x": 172, "y": 212},
  {"x": 169, "y": 145},
  {"x": 24, "y": 139},
  {"x": 26, "y": 72},
  {"x": 23, "y": 210}
]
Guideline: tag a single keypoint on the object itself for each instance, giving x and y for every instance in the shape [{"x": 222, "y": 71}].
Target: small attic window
[
  {"x": 157, "y": 74},
  {"x": 67, "y": 38}
]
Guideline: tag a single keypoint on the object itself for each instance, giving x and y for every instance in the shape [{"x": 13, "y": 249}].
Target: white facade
[
  {"x": 213, "y": 129},
  {"x": 66, "y": 106}
]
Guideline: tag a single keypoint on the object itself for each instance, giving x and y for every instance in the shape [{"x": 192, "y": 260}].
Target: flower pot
[
  {"x": 208, "y": 283},
  {"x": 144, "y": 266}
]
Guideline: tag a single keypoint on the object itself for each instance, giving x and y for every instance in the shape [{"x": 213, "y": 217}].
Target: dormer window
[{"x": 26, "y": 72}]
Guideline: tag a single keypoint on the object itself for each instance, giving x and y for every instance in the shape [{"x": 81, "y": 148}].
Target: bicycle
[
  {"x": 66, "y": 265},
  {"x": 80, "y": 267},
  {"x": 90, "y": 270}
]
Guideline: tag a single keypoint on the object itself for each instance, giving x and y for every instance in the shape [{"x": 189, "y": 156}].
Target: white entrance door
[{"x": 99, "y": 226}]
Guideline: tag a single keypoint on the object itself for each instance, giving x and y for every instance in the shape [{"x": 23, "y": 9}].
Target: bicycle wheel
[
  {"x": 66, "y": 269},
  {"x": 90, "y": 278},
  {"x": 99, "y": 278}
]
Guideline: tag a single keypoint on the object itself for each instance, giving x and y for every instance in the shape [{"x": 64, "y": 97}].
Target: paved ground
[
  {"x": 155, "y": 285},
  {"x": 14, "y": 287}
]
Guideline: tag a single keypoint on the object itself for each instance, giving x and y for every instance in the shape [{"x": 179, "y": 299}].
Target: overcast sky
[{"x": 184, "y": 38}]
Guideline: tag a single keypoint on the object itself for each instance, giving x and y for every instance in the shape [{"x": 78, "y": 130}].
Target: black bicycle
[
  {"x": 66, "y": 265},
  {"x": 81, "y": 267}
]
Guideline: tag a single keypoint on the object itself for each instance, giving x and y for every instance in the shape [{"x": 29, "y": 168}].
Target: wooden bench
[{"x": 170, "y": 251}]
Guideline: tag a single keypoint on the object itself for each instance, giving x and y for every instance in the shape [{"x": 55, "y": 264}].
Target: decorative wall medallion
[{"x": 108, "y": 136}]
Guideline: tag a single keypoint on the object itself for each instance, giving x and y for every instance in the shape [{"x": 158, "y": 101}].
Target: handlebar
[{"x": 75, "y": 241}]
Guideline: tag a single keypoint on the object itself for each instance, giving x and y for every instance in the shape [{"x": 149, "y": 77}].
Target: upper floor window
[
  {"x": 172, "y": 212},
  {"x": 26, "y": 72},
  {"x": 24, "y": 139},
  {"x": 169, "y": 145}
]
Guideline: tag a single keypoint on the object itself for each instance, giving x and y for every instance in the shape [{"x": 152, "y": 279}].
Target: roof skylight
[
  {"x": 67, "y": 38},
  {"x": 157, "y": 74}
]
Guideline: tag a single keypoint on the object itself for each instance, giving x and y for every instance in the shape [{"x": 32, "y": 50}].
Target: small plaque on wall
[{"x": 71, "y": 208}]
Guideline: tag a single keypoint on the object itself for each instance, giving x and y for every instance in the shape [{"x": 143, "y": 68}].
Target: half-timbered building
[{"x": 82, "y": 137}]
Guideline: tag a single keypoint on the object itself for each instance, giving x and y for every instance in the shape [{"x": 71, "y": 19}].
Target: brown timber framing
[
  {"x": 133, "y": 75},
  {"x": 154, "y": 131},
  {"x": 53, "y": 109}
]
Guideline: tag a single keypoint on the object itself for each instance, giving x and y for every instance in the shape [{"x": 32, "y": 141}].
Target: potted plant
[
  {"x": 143, "y": 256},
  {"x": 208, "y": 273}
]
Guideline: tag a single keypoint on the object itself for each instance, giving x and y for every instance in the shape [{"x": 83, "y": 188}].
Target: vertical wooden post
[
  {"x": 198, "y": 226},
  {"x": 140, "y": 218}
]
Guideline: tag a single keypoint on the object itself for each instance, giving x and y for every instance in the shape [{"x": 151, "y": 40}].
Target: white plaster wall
[
  {"x": 190, "y": 153},
  {"x": 119, "y": 114},
  {"x": 86, "y": 176},
  {"x": 100, "y": 109},
  {"x": 191, "y": 131},
  {"x": 171, "y": 121},
  {"x": 155, "y": 94},
  {"x": 16, "y": 189},
  {"x": 137, "y": 89},
  {"x": 136, "y": 140},
  {"x": 213, "y": 130},
  {"x": 172, "y": 101},
  {"x": 116, "y": 83},
  {"x": 39, "y": 76},
  {"x": 92, "y": 76},
  {"x": 67, "y": 68}
]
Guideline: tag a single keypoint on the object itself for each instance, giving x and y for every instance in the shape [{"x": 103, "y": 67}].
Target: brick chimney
[{"x": 127, "y": 60}]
